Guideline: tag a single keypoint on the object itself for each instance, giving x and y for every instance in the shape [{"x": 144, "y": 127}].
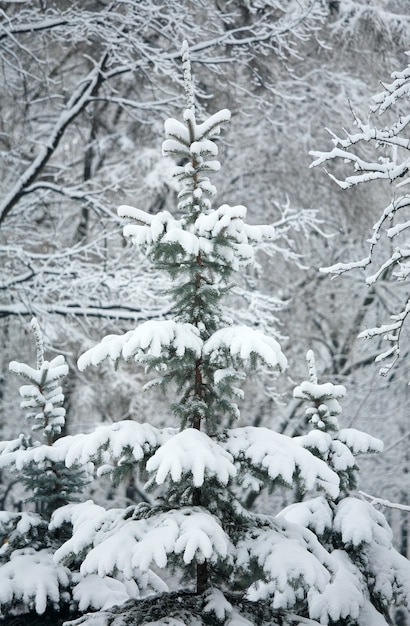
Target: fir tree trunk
[
  {"x": 201, "y": 568},
  {"x": 201, "y": 577}
]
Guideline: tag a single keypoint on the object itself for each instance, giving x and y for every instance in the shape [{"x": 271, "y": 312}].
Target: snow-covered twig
[{"x": 387, "y": 503}]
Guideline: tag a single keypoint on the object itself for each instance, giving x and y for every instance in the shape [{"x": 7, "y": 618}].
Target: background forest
[{"x": 86, "y": 88}]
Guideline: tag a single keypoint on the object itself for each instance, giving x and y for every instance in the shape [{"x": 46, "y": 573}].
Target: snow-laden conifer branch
[
  {"x": 245, "y": 344},
  {"x": 139, "y": 543},
  {"x": 192, "y": 451},
  {"x": 121, "y": 442},
  {"x": 31, "y": 567},
  {"x": 282, "y": 458}
]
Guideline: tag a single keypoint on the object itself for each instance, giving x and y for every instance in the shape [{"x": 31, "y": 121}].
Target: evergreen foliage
[
  {"x": 50, "y": 484},
  {"x": 197, "y": 556},
  {"x": 29, "y": 577}
]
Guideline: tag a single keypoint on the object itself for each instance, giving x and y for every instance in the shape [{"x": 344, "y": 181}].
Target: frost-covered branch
[
  {"x": 75, "y": 105},
  {"x": 390, "y": 162},
  {"x": 380, "y": 501}
]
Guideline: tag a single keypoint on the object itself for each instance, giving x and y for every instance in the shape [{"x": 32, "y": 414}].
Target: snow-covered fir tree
[
  {"x": 371, "y": 574},
  {"x": 29, "y": 577},
  {"x": 197, "y": 556}
]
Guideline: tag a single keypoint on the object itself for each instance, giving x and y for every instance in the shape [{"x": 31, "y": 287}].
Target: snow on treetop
[
  {"x": 193, "y": 142},
  {"x": 148, "y": 339},
  {"x": 191, "y": 451},
  {"x": 313, "y": 391},
  {"x": 221, "y": 232},
  {"x": 282, "y": 458},
  {"x": 244, "y": 342},
  {"x": 43, "y": 396},
  {"x": 210, "y": 127},
  {"x": 47, "y": 373}
]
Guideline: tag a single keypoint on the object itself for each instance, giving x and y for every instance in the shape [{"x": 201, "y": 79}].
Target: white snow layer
[
  {"x": 108, "y": 443},
  {"x": 340, "y": 450},
  {"x": 314, "y": 514},
  {"x": 50, "y": 371},
  {"x": 191, "y": 451},
  {"x": 243, "y": 342},
  {"x": 292, "y": 559},
  {"x": 131, "y": 546},
  {"x": 343, "y": 595},
  {"x": 359, "y": 522},
  {"x": 220, "y": 233},
  {"x": 98, "y": 593},
  {"x": 149, "y": 339},
  {"x": 359, "y": 442},
  {"x": 32, "y": 579},
  {"x": 156, "y": 339},
  {"x": 314, "y": 391},
  {"x": 282, "y": 457}
]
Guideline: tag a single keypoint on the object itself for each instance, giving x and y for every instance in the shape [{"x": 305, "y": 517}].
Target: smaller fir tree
[
  {"x": 51, "y": 484},
  {"x": 29, "y": 577},
  {"x": 372, "y": 579}
]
